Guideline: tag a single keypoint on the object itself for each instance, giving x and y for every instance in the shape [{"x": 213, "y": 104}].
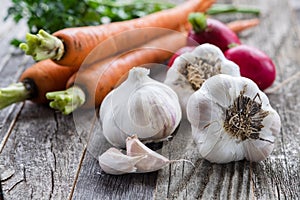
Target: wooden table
[{"x": 43, "y": 153}]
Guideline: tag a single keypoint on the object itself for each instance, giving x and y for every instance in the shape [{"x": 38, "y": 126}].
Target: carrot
[
  {"x": 92, "y": 84},
  {"x": 241, "y": 25},
  {"x": 35, "y": 82},
  {"x": 70, "y": 46}
]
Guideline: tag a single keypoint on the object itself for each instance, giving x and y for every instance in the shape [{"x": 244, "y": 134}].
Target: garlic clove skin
[
  {"x": 232, "y": 119},
  {"x": 191, "y": 69},
  {"x": 257, "y": 150},
  {"x": 218, "y": 147},
  {"x": 152, "y": 161},
  {"x": 141, "y": 106},
  {"x": 113, "y": 161}
]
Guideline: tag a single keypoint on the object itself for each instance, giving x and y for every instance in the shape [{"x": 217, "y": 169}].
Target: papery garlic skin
[
  {"x": 113, "y": 161},
  {"x": 152, "y": 160},
  {"x": 206, "y": 60},
  {"x": 221, "y": 134},
  {"x": 139, "y": 159},
  {"x": 139, "y": 106}
]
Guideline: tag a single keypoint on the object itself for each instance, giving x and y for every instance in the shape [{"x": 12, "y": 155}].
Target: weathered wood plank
[
  {"x": 278, "y": 176},
  {"x": 40, "y": 151},
  {"x": 239, "y": 180},
  {"x": 92, "y": 182},
  {"x": 44, "y": 151},
  {"x": 12, "y": 63},
  {"x": 10, "y": 73}
]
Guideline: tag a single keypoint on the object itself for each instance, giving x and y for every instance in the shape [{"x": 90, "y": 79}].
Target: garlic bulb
[
  {"x": 139, "y": 106},
  {"x": 190, "y": 70},
  {"x": 232, "y": 119}
]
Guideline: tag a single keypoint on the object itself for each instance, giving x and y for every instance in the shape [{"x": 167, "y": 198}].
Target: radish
[
  {"x": 254, "y": 64},
  {"x": 207, "y": 30}
]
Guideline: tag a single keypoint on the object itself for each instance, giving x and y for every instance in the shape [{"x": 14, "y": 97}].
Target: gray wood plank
[
  {"x": 12, "y": 64},
  {"x": 92, "y": 182},
  {"x": 238, "y": 180},
  {"x": 44, "y": 151},
  {"x": 95, "y": 184},
  {"x": 40, "y": 150},
  {"x": 278, "y": 176}
]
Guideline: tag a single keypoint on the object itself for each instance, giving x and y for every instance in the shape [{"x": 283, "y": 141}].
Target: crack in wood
[
  {"x": 15, "y": 185},
  {"x": 77, "y": 174},
  {"x": 10, "y": 129},
  {"x": 52, "y": 184},
  {"x": 230, "y": 183},
  {"x": 205, "y": 179},
  {"x": 275, "y": 178},
  {"x": 24, "y": 174},
  {"x": 184, "y": 181}
]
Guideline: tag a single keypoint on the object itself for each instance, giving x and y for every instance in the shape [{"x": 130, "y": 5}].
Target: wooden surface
[{"x": 43, "y": 154}]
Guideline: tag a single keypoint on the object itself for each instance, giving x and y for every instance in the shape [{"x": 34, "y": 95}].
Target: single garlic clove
[
  {"x": 190, "y": 70},
  {"x": 113, "y": 161},
  {"x": 152, "y": 161},
  {"x": 232, "y": 119},
  {"x": 141, "y": 106}
]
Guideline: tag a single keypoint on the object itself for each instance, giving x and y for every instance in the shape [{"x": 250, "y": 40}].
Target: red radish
[
  {"x": 207, "y": 30},
  {"x": 180, "y": 52},
  {"x": 254, "y": 64}
]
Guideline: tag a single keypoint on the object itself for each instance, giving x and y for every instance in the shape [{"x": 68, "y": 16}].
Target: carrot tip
[
  {"x": 14, "y": 93},
  {"x": 66, "y": 101},
  {"x": 43, "y": 46}
]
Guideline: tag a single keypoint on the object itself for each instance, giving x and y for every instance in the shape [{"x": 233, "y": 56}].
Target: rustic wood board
[
  {"x": 278, "y": 176},
  {"x": 40, "y": 151},
  {"x": 43, "y": 154}
]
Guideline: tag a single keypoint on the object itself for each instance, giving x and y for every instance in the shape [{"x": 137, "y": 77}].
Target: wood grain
[
  {"x": 45, "y": 155},
  {"x": 278, "y": 176}
]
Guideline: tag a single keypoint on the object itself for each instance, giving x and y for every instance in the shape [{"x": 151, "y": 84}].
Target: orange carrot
[
  {"x": 35, "y": 82},
  {"x": 74, "y": 44},
  {"x": 96, "y": 81},
  {"x": 241, "y": 25}
]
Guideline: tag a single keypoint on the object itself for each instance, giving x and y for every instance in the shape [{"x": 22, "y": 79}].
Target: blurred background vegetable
[{"x": 53, "y": 15}]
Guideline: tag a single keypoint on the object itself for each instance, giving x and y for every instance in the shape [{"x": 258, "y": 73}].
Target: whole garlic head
[
  {"x": 190, "y": 70},
  {"x": 139, "y": 106},
  {"x": 232, "y": 119}
]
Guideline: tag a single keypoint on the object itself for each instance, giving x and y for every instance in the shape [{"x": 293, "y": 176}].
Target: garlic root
[{"x": 232, "y": 119}]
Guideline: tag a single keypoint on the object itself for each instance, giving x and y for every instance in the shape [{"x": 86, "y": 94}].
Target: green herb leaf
[{"x": 53, "y": 15}]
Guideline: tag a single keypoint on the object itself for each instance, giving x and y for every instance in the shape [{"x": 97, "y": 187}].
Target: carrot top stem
[
  {"x": 14, "y": 93},
  {"x": 198, "y": 21},
  {"x": 43, "y": 46},
  {"x": 68, "y": 100}
]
